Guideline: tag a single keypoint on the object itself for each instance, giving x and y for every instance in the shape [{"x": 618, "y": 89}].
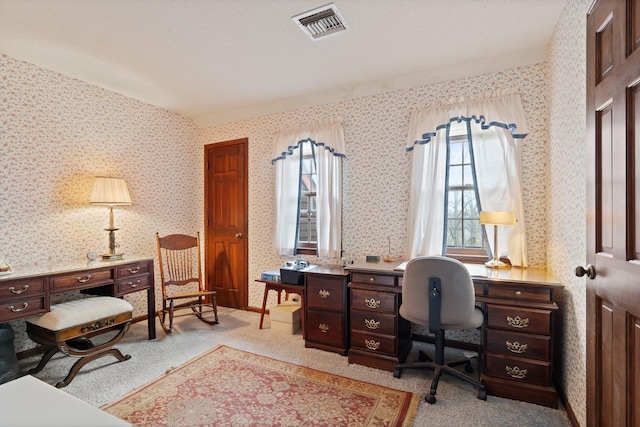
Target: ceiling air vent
[{"x": 321, "y": 22}]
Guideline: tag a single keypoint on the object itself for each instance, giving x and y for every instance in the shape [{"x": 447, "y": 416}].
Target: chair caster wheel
[
  {"x": 430, "y": 399},
  {"x": 396, "y": 373},
  {"x": 468, "y": 368},
  {"x": 482, "y": 394}
]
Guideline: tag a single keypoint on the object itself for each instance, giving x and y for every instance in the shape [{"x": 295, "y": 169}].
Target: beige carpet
[
  {"x": 104, "y": 381},
  {"x": 225, "y": 386}
]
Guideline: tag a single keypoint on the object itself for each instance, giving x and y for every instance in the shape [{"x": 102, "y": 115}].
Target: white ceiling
[{"x": 224, "y": 60}]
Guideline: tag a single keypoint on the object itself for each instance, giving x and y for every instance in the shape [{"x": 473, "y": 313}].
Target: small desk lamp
[
  {"x": 110, "y": 192},
  {"x": 496, "y": 218}
]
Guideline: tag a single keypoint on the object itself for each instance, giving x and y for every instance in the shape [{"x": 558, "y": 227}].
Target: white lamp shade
[
  {"x": 497, "y": 218},
  {"x": 110, "y": 191}
]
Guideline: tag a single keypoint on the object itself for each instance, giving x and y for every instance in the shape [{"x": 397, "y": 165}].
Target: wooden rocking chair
[{"x": 181, "y": 279}]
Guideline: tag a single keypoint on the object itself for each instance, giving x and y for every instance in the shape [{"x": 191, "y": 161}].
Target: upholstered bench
[{"x": 69, "y": 326}]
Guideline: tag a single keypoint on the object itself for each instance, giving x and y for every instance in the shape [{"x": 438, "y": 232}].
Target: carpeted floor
[
  {"x": 104, "y": 381},
  {"x": 225, "y": 386}
]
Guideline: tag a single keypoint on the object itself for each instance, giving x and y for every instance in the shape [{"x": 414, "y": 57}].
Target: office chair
[
  {"x": 438, "y": 292},
  {"x": 181, "y": 278}
]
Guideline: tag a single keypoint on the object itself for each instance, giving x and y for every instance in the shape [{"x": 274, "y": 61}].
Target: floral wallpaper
[
  {"x": 566, "y": 210},
  {"x": 376, "y": 168},
  {"x": 56, "y": 135}
]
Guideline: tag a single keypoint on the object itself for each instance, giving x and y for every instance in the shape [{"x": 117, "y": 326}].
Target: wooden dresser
[
  {"x": 28, "y": 290},
  {"x": 519, "y": 334},
  {"x": 326, "y": 304},
  {"x": 518, "y": 343},
  {"x": 380, "y": 338}
]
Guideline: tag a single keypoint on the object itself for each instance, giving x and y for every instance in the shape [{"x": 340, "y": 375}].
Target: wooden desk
[
  {"x": 270, "y": 285},
  {"x": 28, "y": 291},
  {"x": 518, "y": 337},
  {"x": 326, "y": 309}
]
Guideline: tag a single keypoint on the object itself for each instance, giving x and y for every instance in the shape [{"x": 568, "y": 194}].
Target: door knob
[
  {"x": 239, "y": 236},
  {"x": 590, "y": 271}
]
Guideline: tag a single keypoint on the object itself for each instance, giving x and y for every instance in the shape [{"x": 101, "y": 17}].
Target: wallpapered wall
[
  {"x": 56, "y": 135},
  {"x": 376, "y": 169},
  {"x": 566, "y": 210}
]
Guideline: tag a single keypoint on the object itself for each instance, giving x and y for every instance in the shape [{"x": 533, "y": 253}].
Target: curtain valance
[
  {"x": 499, "y": 108},
  {"x": 329, "y": 136}
]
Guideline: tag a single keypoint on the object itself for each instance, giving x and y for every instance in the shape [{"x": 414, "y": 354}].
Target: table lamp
[
  {"x": 496, "y": 218},
  {"x": 110, "y": 192}
]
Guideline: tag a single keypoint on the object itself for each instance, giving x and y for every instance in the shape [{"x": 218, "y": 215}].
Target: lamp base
[
  {"x": 111, "y": 257},
  {"x": 496, "y": 263}
]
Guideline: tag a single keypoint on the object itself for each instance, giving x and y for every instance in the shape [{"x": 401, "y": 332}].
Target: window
[
  {"x": 464, "y": 233},
  {"x": 461, "y": 151},
  {"x": 308, "y": 190},
  {"x": 308, "y": 209}
]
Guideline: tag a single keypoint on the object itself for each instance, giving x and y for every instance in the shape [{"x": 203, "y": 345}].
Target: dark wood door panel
[
  {"x": 613, "y": 215},
  {"x": 226, "y": 211}
]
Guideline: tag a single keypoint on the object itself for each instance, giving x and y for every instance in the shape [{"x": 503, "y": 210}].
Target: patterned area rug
[{"x": 229, "y": 387}]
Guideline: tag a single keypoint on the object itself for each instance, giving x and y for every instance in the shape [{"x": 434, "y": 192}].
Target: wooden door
[
  {"x": 613, "y": 213},
  {"x": 226, "y": 250}
]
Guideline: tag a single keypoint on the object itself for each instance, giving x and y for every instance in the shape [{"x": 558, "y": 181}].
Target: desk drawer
[
  {"x": 369, "y": 321},
  {"x": 373, "y": 301},
  {"x": 20, "y": 309},
  {"x": 81, "y": 279},
  {"x": 325, "y": 293},
  {"x": 374, "y": 343},
  {"x": 133, "y": 270},
  {"x": 526, "y": 371},
  {"x": 325, "y": 328},
  {"x": 529, "y": 320},
  {"x": 519, "y": 292},
  {"x": 373, "y": 279},
  {"x": 132, "y": 284},
  {"x": 21, "y": 289},
  {"x": 518, "y": 344}
]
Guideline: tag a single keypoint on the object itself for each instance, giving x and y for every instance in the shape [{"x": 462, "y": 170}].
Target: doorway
[{"x": 226, "y": 225}]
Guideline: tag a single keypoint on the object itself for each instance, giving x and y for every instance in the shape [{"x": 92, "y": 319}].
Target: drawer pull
[
  {"x": 133, "y": 285},
  {"x": 324, "y": 293},
  {"x": 324, "y": 328},
  {"x": 518, "y": 293},
  {"x": 85, "y": 280},
  {"x": 134, "y": 270},
  {"x": 372, "y": 279},
  {"x": 18, "y": 310},
  {"x": 518, "y": 322},
  {"x": 372, "y": 344},
  {"x": 18, "y": 291},
  {"x": 372, "y": 324},
  {"x": 372, "y": 303},
  {"x": 516, "y": 372},
  {"x": 516, "y": 347}
]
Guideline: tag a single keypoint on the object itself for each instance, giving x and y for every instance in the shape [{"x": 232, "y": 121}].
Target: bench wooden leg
[
  {"x": 81, "y": 362},
  {"x": 45, "y": 358}
]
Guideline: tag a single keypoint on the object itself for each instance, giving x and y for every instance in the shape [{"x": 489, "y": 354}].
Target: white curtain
[
  {"x": 328, "y": 139},
  {"x": 498, "y": 126}
]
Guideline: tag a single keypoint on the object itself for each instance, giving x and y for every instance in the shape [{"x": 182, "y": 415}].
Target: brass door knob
[
  {"x": 239, "y": 236},
  {"x": 590, "y": 271}
]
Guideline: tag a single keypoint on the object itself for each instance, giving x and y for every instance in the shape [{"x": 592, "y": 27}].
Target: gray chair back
[{"x": 457, "y": 294}]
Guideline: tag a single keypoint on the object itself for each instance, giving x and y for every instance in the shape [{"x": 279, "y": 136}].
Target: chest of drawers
[
  {"x": 518, "y": 340},
  {"x": 326, "y": 305},
  {"x": 379, "y": 337}
]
